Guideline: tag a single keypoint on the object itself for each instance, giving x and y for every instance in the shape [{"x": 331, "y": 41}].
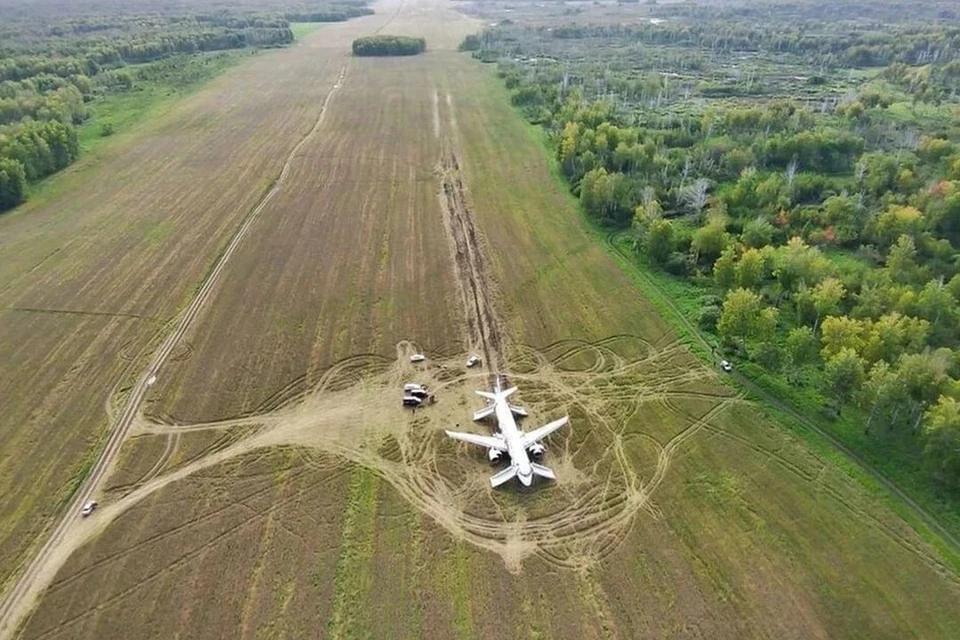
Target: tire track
[
  {"x": 41, "y": 570},
  {"x": 472, "y": 273}
]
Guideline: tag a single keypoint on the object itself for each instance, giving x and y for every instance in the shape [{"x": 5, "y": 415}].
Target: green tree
[
  {"x": 826, "y": 298},
  {"x": 902, "y": 260},
  {"x": 13, "y": 183},
  {"x": 895, "y": 221},
  {"x": 883, "y": 397},
  {"x": 838, "y": 333},
  {"x": 658, "y": 243},
  {"x": 710, "y": 240},
  {"x": 844, "y": 374},
  {"x": 936, "y": 304},
  {"x": 744, "y": 317},
  {"x": 892, "y": 335},
  {"x": 757, "y": 233},
  {"x": 801, "y": 345},
  {"x": 751, "y": 270},
  {"x": 796, "y": 263},
  {"x": 843, "y": 214},
  {"x": 725, "y": 269},
  {"x": 941, "y": 430}
]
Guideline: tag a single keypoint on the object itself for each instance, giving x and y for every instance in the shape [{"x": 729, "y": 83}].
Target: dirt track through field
[
  {"x": 473, "y": 277},
  {"x": 55, "y": 551},
  {"x": 351, "y": 414}
]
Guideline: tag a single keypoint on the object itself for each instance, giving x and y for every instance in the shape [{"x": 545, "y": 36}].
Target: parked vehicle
[{"x": 88, "y": 508}]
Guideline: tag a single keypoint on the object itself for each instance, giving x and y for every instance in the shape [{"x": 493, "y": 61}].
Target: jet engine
[
  {"x": 494, "y": 454},
  {"x": 536, "y": 450}
]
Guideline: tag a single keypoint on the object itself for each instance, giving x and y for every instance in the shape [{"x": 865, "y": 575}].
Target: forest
[
  {"x": 56, "y": 58},
  {"x": 386, "y": 45},
  {"x": 797, "y": 173}
]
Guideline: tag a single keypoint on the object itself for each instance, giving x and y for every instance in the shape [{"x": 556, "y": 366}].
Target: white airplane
[{"x": 513, "y": 441}]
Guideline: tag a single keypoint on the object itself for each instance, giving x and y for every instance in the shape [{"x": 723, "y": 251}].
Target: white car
[
  {"x": 726, "y": 366},
  {"x": 418, "y": 357},
  {"x": 88, "y": 508},
  {"x": 473, "y": 361}
]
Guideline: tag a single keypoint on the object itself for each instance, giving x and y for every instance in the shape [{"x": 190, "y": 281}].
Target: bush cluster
[{"x": 388, "y": 46}]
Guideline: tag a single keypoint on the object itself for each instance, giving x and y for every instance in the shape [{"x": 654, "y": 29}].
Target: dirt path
[
  {"x": 42, "y": 569},
  {"x": 352, "y": 415},
  {"x": 476, "y": 285}
]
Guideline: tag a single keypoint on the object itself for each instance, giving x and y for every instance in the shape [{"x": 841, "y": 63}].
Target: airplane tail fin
[
  {"x": 542, "y": 471},
  {"x": 503, "y": 476}
]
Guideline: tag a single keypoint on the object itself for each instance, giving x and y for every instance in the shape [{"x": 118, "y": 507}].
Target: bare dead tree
[
  {"x": 791, "y": 173},
  {"x": 695, "y": 195}
]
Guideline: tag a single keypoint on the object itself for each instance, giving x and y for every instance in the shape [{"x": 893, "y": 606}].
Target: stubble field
[
  {"x": 273, "y": 487},
  {"x": 96, "y": 268}
]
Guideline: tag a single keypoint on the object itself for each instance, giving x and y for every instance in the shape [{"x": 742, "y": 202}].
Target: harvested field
[
  {"x": 272, "y": 486},
  {"x": 96, "y": 268},
  {"x": 355, "y": 240}
]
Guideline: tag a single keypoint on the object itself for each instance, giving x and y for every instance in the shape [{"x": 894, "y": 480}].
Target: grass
[
  {"x": 353, "y": 579},
  {"x": 157, "y": 85},
  {"x": 675, "y": 299},
  {"x": 303, "y": 29}
]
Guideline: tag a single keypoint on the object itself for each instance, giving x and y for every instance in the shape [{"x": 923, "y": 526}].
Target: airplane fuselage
[{"x": 512, "y": 437}]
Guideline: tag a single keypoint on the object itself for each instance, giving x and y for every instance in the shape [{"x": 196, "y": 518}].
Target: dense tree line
[
  {"x": 32, "y": 151},
  {"x": 825, "y": 235},
  {"x": 914, "y": 45},
  {"x": 386, "y": 45},
  {"x": 338, "y": 12}
]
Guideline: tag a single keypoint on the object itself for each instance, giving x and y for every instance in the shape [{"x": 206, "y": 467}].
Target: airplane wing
[
  {"x": 483, "y": 413},
  {"x": 489, "y": 442},
  {"x": 541, "y": 433},
  {"x": 503, "y": 476}
]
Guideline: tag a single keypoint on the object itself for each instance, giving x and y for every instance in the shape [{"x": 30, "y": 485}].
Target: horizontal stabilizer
[
  {"x": 518, "y": 411},
  {"x": 490, "y": 442},
  {"x": 483, "y": 413},
  {"x": 494, "y": 396},
  {"x": 503, "y": 476},
  {"x": 542, "y": 471},
  {"x": 541, "y": 433}
]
